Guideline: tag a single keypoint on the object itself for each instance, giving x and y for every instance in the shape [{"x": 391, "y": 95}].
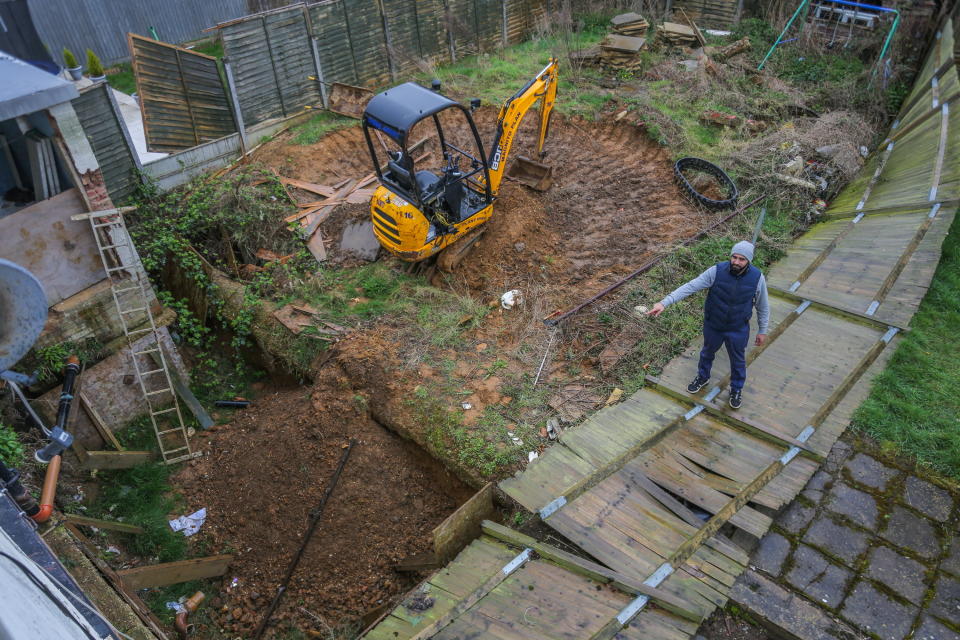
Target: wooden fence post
[{"x": 235, "y": 100}]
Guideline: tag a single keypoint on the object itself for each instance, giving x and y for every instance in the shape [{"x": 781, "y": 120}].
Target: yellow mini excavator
[{"x": 417, "y": 213}]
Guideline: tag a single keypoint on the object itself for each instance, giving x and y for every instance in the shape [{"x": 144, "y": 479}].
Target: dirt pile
[{"x": 263, "y": 474}]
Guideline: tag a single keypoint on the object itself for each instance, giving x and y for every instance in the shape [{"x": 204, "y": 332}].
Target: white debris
[
  {"x": 176, "y": 606},
  {"x": 511, "y": 298},
  {"x": 466, "y": 406},
  {"x": 189, "y": 524},
  {"x": 533, "y": 455}
]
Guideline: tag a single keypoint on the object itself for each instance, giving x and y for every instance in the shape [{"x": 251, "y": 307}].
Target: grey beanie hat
[{"x": 744, "y": 249}]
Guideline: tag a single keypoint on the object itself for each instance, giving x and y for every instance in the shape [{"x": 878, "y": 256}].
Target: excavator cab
[
  {"x": 446, "y": 198},
  {"x": 417, "y": 210}
]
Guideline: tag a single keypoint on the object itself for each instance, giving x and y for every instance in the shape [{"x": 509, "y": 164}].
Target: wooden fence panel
[
  {"x": 404, "y": 42},
  {"x": 272, "y": 61},
  {"x": 329, "y": 23},
  {"x": 462, "y": 23},
  {"x": 369, "y": 42},
  {"x": 182, "y": 96},
  {"x": 109, "y": 140},
  {"x": 489, "y": 24}
]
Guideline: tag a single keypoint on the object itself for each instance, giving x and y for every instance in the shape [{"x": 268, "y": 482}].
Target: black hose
[
  {"x": 314, "y": 521},
  {"x": 707, "y": 167}
]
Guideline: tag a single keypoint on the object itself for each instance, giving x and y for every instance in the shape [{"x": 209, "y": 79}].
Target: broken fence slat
[{"x": 159, "y": 575}]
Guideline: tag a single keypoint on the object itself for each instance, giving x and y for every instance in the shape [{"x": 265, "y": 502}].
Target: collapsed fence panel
[
  {"x": 182, "y": 97},
  {"x": 272, "y": 60},
  {"x": 104, "y": 129},
  {"x": 710, "y": 14}
]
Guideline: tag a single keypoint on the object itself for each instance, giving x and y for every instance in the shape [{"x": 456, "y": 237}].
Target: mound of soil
[
  {"x": 264, "y": 473},
  {"x": 613, "y": 203}
]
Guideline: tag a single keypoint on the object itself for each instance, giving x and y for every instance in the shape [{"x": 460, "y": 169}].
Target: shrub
[
  {"x": 12, "y": 450},
  {"x": 94, "y": 66},
  {"x": 69, "y": 59}
]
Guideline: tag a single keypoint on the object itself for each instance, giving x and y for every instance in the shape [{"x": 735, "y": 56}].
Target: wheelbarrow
[{"x": 536, "y": 175}]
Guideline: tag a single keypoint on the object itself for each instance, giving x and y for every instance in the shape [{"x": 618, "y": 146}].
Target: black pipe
[
  {"x": 10, "y": 478},
  {"x": 314, "y": 521},
  {"x": 59, "y": 438},
  {"x": 232, "y": 403}
]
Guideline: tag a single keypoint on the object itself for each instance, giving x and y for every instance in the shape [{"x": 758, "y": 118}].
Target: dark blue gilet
[{"x": 729, "y": 304}]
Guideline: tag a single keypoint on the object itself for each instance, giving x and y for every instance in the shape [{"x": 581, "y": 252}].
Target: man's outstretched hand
[
  {"x": 761, "y": 338},
  {"x": 657, "y": 310}
]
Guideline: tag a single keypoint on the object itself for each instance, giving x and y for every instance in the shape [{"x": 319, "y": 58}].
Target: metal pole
[
  {"x": 238, "y": 116},
  {"x": 319, "y": 68},
  {"x": 782, "y": 33},
  {"x": 759, "y": 225}
]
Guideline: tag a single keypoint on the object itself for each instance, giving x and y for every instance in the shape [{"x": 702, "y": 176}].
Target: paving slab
[
  {"x": 910, "y": 531},
  {"x": 930, "y": 629},
  {"x": 869, "y": 472},
  {"x": 836, "y": 539},
  {"x": 816, "y": 486},
  {"x": 781, "y": 610},
  {"x": 860, "y": 507},
  {"x": 877, "y": 613},
  {"x": 928, "y": 499},
  {"x": 796, "y": 517},
  {"x": 952, "y": 562},
  {"x": 946, "y": 601},
  {"x": 905, "y": 576},
  {"x": 771, "y": 553},
  {"x": 817, "y": 577}
]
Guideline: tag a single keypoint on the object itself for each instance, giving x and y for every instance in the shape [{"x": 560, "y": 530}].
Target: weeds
[
  {"x": 319, "y": 125},
  {"x": 12, "y": 451},
  {"x": 912, "y": 408}
]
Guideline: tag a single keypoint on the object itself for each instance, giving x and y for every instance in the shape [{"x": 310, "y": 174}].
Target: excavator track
[{"x": 453, "y": 255}]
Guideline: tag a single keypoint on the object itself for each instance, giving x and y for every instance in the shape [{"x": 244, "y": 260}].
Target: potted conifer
[
  {"x": 70, "y": 62},
  {"x": 95, "y": 67}
]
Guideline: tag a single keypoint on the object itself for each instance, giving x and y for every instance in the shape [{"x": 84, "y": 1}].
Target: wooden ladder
[{"x": 131, "y": 296}]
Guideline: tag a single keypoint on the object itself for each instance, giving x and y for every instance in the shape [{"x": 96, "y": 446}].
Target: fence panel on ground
[
  {"x": 182, "y": 98},
  {"x": 109, "y": 139},
  {"x": 710, "y": 14}
]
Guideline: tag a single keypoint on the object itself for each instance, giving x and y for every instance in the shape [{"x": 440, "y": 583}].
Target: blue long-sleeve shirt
[{"x": 706, "y": 279}]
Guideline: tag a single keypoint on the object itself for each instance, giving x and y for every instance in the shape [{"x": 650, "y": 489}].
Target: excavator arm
[{"x": 544, "y": 86}]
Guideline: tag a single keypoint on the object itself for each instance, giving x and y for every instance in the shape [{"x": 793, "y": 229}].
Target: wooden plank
[
  {"x": 849, "y": 314},
  {"x": 98, "y": 423},
  {"x": 318, "y": 217},
  {"x": 128, "y": 595},
  {"x": 113, "y": 525},
  {"x": 473, "y": 598},
  {"x": 592, "y": 570},
  {"x": 463, "y": 525},
  {"x": 159, "y": 575},
  {"x": 183, "y": 390},
  {"x": 116, "y": 459}
]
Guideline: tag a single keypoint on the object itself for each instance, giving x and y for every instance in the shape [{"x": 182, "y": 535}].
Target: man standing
[{"x": 735, "y": 287}]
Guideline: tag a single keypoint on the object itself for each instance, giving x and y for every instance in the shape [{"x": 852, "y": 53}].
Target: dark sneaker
[
  {"x": 697, "y": 383},
  {"x": 735, "y": 399}
]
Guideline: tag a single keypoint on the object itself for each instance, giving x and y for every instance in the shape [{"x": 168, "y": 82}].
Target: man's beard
[{"x": 738, "y": 270}]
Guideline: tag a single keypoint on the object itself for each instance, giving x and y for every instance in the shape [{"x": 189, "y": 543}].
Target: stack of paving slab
[
  {"x": 676, "y": 35},
  {"x": 621, "y": 49}
]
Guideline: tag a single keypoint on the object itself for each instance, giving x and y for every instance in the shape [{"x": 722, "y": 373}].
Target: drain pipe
[
  {"x": 49, "y": 490},
  {"x": 180, "y": 622}
]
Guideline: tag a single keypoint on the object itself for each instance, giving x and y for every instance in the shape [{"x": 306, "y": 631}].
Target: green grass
[
  {"x": 142, "y": 496},
  {"x": 320, "y": 125},
  {"x": 496, "y": 76},
  {"x": 914, "y": 405},
  {"x": 212, "y": 48},
  {"x": 121, "y": 78}
]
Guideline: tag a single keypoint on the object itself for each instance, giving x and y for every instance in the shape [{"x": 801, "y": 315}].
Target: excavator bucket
[
  {"x": 535, "y": 175},
  {"x": 348, "y": 100}
]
